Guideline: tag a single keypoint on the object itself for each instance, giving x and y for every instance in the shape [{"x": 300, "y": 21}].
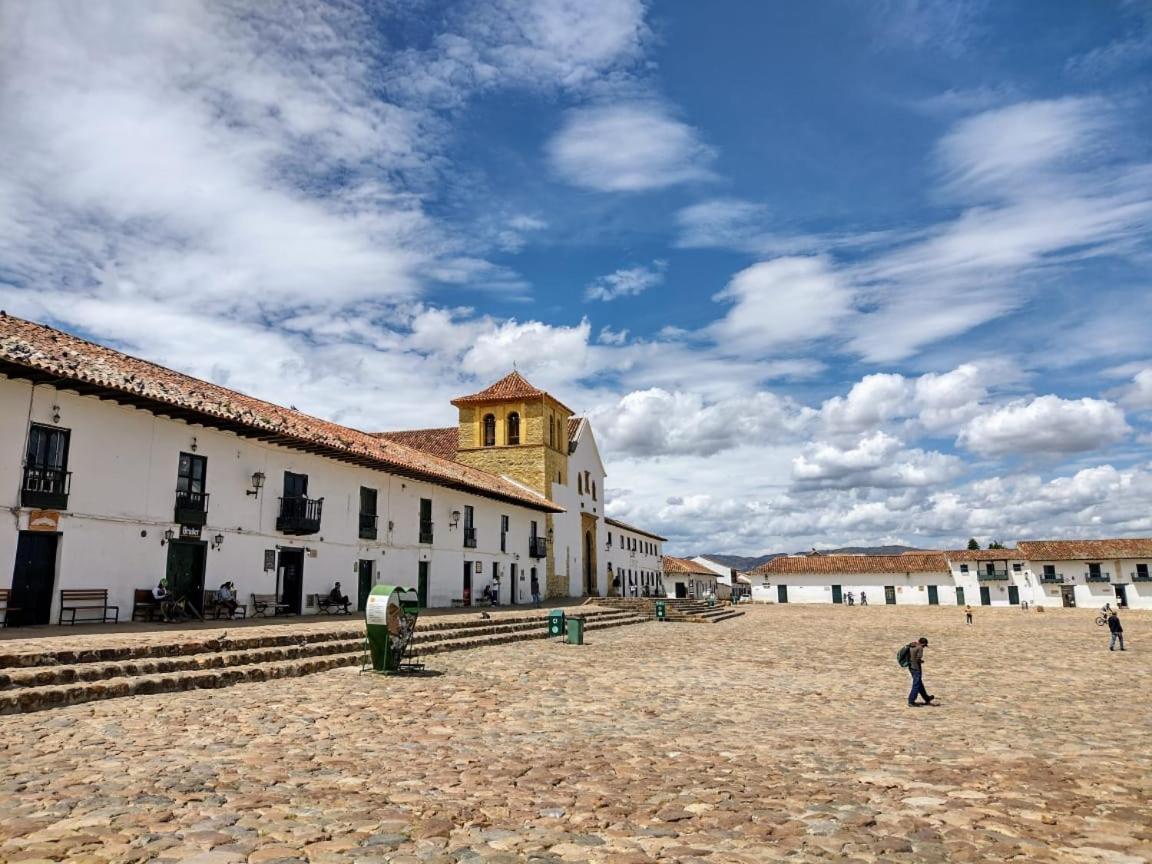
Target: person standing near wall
[
  {"x": 967, "y": 614},
  {"x": 535, "y": 590}
]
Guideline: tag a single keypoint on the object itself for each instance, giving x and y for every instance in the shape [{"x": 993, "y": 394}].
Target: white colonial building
[
  {"x": 1087, "y": 572},
  {"x": 633, "y": 558},
  {"x": 913, "y": 578},
  {"x": 684, "y": 578},
  {"x": 117, "y": 473},
  {"x": 1038, "y": 572}
]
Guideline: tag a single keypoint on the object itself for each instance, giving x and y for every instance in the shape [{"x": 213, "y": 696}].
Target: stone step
[
  {"x": 86, "y": 672},
  {"x": 227, "y": 668},
  {"x": 188, "y": 643},
  {"x": 224, "y": 655}
]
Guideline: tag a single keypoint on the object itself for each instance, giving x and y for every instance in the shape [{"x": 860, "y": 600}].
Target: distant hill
[{"x": 747, "y": 562}]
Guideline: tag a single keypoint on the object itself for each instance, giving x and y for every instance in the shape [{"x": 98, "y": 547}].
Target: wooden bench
[
  {"x": 261, "y": 603},
  {"x": 213, "y": 606},
  {"x": 5, "y": 608},
  {"x": 328, "y": 606},
  {"x": 457, "y": 602},
  {"x": 75, "y": 600},
  {"x": 145, "y": 607}
]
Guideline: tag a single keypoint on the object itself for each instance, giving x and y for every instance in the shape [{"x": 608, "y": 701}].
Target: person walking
[
  {"x": 863, "y": 599},
  {"x": 1117, "y": 632},
  {"x": 967, "y": 614},
  {"x": 916, "y": 668},
  {"x": 535, "y": 591}
]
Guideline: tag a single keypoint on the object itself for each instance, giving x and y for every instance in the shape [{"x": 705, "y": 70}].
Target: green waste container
[
  {"x": 711, "y": 600},
  {"x": 661, "y": 610},
  {"x": 556, "y": 622},
  {"x": 575, "y": 631}
]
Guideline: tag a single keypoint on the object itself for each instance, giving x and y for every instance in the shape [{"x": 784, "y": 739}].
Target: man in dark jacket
[
  {"x": 1117, "y": 632},
  {"x": 915, "y": 666}
]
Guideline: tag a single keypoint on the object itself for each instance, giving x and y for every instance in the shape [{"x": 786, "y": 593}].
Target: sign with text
[
  {"x": 269, "y": 559},
  {"x": 189, "y": 532}
]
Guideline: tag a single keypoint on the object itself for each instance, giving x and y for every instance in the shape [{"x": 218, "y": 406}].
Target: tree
[
  {"x": 995, "y": 544},
  {"x": 973, "y": 543}
]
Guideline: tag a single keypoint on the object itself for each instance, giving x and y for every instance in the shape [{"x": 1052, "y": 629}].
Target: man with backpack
[{"x": 911, "y": 657}]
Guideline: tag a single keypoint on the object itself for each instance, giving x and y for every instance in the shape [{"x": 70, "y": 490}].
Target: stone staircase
[
  {"x": 34, "y": 681},
  {"x": 677, "y": 609}
]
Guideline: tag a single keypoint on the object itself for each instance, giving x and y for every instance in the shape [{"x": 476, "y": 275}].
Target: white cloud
[
  {"x": 873, "y": 401},
  {"x": 875, "y": 460},
  {"x": 608, "y": 336},
  {"x": 626, "y": 282},
  {"x": 1046, "y": 424},
  {"x": 657, "y": 422},
  {"x": 786, "y": 301},
  {"x": 949, "y": 399},
  {"x": 627, "y": 147},
  {"x": 1139, "y": 394},
  {"x": 1006, "y": 150}
]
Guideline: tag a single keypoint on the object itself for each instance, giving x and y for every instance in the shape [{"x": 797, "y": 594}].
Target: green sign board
[{"x": 390, "y": 617}]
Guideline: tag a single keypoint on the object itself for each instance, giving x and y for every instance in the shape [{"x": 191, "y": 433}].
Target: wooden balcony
[{"x": 299, "y": 516}]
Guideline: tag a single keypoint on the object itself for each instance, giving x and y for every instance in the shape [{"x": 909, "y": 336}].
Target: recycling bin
[
  {"x": 575, "y": 631},
  {"x": 556, "y": 622},
  {"x": 661, "y": 610}
]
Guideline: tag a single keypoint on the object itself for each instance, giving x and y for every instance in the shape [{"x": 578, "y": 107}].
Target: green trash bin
[
  {"x": 661, "y": 610},
  {"x": 711, "y": 600},
  {"x": 556, "y": 622},
  {"x": 575, "y": 631}
]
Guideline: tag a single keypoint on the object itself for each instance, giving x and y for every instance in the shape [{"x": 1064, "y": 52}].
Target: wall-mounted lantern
[
  {"x": 217, "y": 541},
  {"x": 169, "y": 535},
  {"x": 454, "y": 519},
  {"x": 257, "y": 484}
]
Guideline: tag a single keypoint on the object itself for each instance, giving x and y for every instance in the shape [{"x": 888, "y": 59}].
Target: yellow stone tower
[{"x": 519, "y": 431}]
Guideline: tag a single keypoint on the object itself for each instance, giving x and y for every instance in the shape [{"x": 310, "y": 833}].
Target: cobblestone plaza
[{"x": 781, "y": 735}]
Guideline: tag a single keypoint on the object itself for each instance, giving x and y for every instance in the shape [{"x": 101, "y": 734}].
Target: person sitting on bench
[
  {"x": 336, "y": 597},
  {"x": 164, "y": 599},
  {"x": 226, "y": 597}
]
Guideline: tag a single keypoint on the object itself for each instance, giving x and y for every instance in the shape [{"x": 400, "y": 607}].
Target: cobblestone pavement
[{"x": 782, "y": 735}]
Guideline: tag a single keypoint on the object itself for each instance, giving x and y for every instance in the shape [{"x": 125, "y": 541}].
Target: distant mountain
[
  {"x": 743, "y": 563},
  {"x": 746, "y": 562}
]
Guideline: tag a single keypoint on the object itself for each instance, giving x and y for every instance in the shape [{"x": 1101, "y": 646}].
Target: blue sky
[{"x": 821, "y": 273}]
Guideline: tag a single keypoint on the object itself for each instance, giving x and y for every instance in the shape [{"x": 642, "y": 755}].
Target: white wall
[
  {"x": 124, "y": 465},
  {"x": 633, "y": 566},
  {"x": 911, "y": 589},
  {"x": 578, "y": 499},
  {"x": 1090, "y": 594}
]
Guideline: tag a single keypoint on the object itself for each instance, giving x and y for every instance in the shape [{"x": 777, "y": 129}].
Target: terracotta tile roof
[
  {"x": 628, "y": 527},
  {"x": 984, "y": 555},
  {"x": 29, "y": 350},
  {"x": 686, "y": 565},
  {"x": 438, "y": 442},
  {"x": 512, "y": 386},
  {"x": 1085, "y": 550},
  {"x": 923, "y": 562}
]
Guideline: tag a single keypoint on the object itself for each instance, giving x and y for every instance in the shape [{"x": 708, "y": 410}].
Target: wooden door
[{"x": 33, "y": 578}]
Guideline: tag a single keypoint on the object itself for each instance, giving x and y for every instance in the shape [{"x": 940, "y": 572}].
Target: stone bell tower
[{"x": 515, "y": 429}]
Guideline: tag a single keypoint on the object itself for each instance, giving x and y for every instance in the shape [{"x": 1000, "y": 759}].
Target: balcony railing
[
  {"x": 1051, "y": 577},
  {"x": 993, "y": 575},
  {"x": 368, "y": 526},
  {"x": 425, "y": 532},
  {"x": 470, "y": 538},
  {"x": 45, "y": 488},
  {"x": 191, "y": 508},
  {"x": 1098, "y": 577},
  {"x": 1140, "y": 577},
  {"x": 299, "y": 515},
  {"x": 537, "y": 547}
]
